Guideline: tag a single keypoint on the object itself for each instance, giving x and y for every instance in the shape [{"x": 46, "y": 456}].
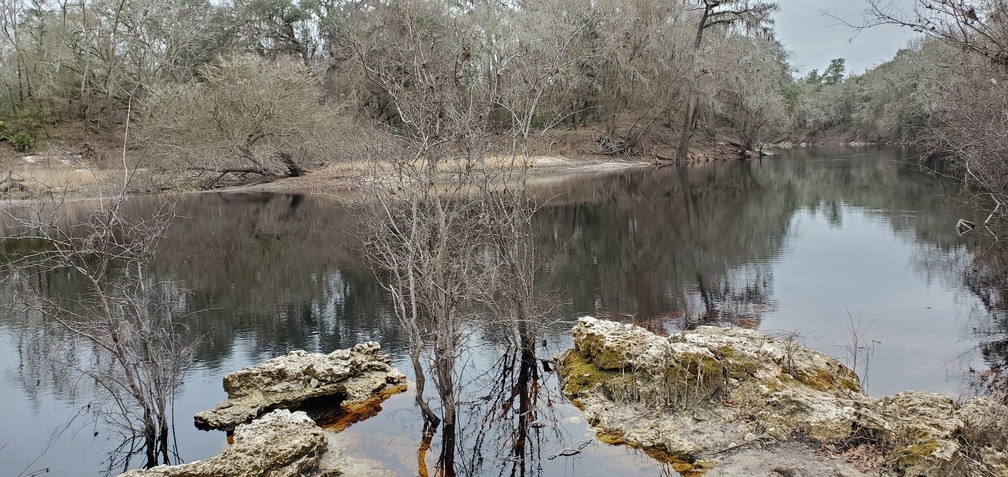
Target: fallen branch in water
[{"x": 572, "y": 450}]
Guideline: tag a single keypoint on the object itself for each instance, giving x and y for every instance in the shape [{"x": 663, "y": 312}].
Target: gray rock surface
[
  {"x": 350, "y": 377},
  {"x": 726, "y": 397},
  {"x": 278, "y": 444}
]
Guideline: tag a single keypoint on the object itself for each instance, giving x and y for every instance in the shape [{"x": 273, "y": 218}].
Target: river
[{"x": 820, "y": 243}]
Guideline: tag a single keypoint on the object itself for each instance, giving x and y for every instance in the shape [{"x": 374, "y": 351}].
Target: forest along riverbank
[{"x": 276, "y": 272}]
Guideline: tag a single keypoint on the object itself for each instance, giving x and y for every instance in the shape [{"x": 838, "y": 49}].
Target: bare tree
[
  {"x": 753, "y": 18},
  {"x": 447, "y": 215},
  {"x": 414, "y": 231},
  {"x": 130, "y": 318},
  {"x": 979, "y": 27}
]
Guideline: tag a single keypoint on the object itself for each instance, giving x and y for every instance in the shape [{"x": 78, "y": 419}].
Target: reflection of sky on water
[
  {"x": 920, "y": 323},
  {"x": 35, "y": 420}
]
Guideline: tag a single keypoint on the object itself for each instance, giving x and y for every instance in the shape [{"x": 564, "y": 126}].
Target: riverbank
[{"x": 75, "y": 164}]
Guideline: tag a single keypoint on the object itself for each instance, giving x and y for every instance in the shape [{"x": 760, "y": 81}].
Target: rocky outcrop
[
  {"x": 695, "y": 397},
  {"x": 347, "y": 378},
  {"x": 278, "y": 444}
]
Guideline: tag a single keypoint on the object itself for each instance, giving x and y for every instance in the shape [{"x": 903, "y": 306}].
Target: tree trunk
[
  {"x": 690, "y": 123},
  {"x": 163, "y": 439},
  {"x": 293, "y": 169},
  {"x": 431, "y": 420},
  {"x": 682, "y": 153},
  {"x": 447, "y": 459},
  {"x": 150, "y": 441}
]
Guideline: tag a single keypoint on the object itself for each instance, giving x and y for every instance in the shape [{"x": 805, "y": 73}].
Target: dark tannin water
[{"x": 814, "y": 242}]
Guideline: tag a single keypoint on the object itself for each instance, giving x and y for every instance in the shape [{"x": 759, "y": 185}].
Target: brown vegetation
[{"x": 240, "y": 92}]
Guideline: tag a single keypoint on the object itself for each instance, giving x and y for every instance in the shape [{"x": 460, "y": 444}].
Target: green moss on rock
[
  {"x": 913, "y": 455},
  {"x": 830, "y": 381},
  {"x": 738, "y": 365},
  {"x": 579, "y": 375},
  {"x": 603, "y": 356}
]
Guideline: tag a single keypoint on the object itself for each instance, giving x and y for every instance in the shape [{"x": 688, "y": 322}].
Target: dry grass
[
  {"x": 66, "y": 178},
  {"x": 72, "y": 177},
  {"x": 74, "y": 163}
]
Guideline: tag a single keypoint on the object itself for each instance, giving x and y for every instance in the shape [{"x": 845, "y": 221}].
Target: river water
[{"x": 820, "y": 243}]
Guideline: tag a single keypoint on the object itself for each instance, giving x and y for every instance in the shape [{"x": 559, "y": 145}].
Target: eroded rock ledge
[
  {"x": 699, "y": 396},
  {"x": 278, "y": 444},
  {"x": 347, "y": 377}
]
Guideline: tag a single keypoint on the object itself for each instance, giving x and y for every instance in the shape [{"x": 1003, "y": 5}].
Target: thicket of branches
[
  {"x": 447, "y": 224},
  {"x": 244, "y": 117},
  {"x": 126, "y": 323}
]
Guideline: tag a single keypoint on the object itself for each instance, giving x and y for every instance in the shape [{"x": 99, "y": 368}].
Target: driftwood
[
  {"x": 10, "y": 184},
  {"x": 745, "y": 151},
  {"x": 250, "y": 175}
]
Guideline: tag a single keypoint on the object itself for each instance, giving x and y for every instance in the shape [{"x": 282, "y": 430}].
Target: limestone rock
[
  {"x": 692, "y": 395},
  {"x": 350, "y": 377},
  {"x": 278, "y": 444}
]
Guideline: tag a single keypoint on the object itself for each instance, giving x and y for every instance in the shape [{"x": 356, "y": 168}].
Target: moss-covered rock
[
  {"x": 580, "y": 375},
  {"x": 347, "y": 377},
  {"x": 696, "y": 393}
]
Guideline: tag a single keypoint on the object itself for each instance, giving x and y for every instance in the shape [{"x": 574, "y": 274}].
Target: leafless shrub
[
  {"x": 791, "y": 343},
  {"x": 246, "y": 118},
  {"x": 859, "y": 347},
  {"x": 130, "y": 318},
  {"x": 446, "y": 214}
]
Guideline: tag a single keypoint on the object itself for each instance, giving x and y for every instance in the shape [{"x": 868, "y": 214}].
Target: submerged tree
[
  {"x": 130, "y": 319},
  {"x": 447, "y": 214}
]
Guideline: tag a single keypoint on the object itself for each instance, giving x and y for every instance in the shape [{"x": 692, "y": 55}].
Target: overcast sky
[{"x": 814, "y": 38}]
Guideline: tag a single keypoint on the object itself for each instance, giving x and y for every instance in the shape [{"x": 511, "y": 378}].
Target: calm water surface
[{"x": 814, "y": 242}]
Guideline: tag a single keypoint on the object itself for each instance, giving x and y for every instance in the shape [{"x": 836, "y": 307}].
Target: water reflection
[
  {"x": 986, "y": 276},
  {"x": 668, "y": 242},
  {"x": 778, "y": 244},
  {"x": 116, "y": 335},
  {"x": 511, "y": 418}
]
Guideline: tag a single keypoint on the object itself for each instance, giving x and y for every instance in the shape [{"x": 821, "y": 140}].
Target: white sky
[{"x": 814, "y": 38}]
